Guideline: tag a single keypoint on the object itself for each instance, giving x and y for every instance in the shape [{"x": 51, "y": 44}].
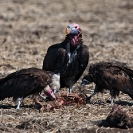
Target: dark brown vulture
[
  {"x": 69, "y": 58},
  {"x": 114, "y": 77},
  {"x": 25, "y": 82},
  {"x": 118, "y": 118}
]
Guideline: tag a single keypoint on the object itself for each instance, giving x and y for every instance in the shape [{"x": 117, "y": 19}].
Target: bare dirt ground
[{"x": 28, "y": 28}]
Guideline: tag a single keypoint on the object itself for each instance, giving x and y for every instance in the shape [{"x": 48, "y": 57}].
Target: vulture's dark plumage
[
  {"x": 25, "y": 82},
  {"x": 69, "y": 58},
  {"x": 114, "y": 77},
  {"x": 118, "y": 118}
]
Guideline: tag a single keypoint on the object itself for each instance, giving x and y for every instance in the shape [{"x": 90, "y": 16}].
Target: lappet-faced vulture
[{"x": 69, "y": 58}]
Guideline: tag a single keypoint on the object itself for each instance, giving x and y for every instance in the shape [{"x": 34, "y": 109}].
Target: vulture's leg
[
  {"x": 70, "y": 89},
  {"x": 94, "y": 93},
  {"x": 112, "y": 100},
  {"x": 19, "y": 102},
  {"x": 113, "y": 95}
]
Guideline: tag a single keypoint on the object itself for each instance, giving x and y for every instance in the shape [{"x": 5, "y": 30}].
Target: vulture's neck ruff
[{"x": 55, "y": 82}]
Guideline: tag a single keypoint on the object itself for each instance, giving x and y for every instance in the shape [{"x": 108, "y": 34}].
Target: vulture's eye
[{"x": 75, "y": 26}]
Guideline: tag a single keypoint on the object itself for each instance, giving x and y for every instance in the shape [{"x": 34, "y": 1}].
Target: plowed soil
[{"x": 28, "y": 28}]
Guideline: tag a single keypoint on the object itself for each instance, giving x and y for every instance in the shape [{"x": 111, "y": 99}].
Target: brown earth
[{"x": 28, "y": 27}]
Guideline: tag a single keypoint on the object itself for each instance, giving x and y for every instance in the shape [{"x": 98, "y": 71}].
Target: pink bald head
[
  {"x": 48, "y": 91},
  {"x": 73, "y": 31}
]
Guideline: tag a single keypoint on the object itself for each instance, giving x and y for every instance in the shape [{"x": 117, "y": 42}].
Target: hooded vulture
[
  {"x": 68, "y": 58},
  {"x": 114, "y": 77},
  {"x": 25, "y": 82}
]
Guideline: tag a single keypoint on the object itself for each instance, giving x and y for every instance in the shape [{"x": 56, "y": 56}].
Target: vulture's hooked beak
[
  {"x": 67, "y": 31},
  {"x": 48, "y": 91},
  {"x": 52, "y": 95}
]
